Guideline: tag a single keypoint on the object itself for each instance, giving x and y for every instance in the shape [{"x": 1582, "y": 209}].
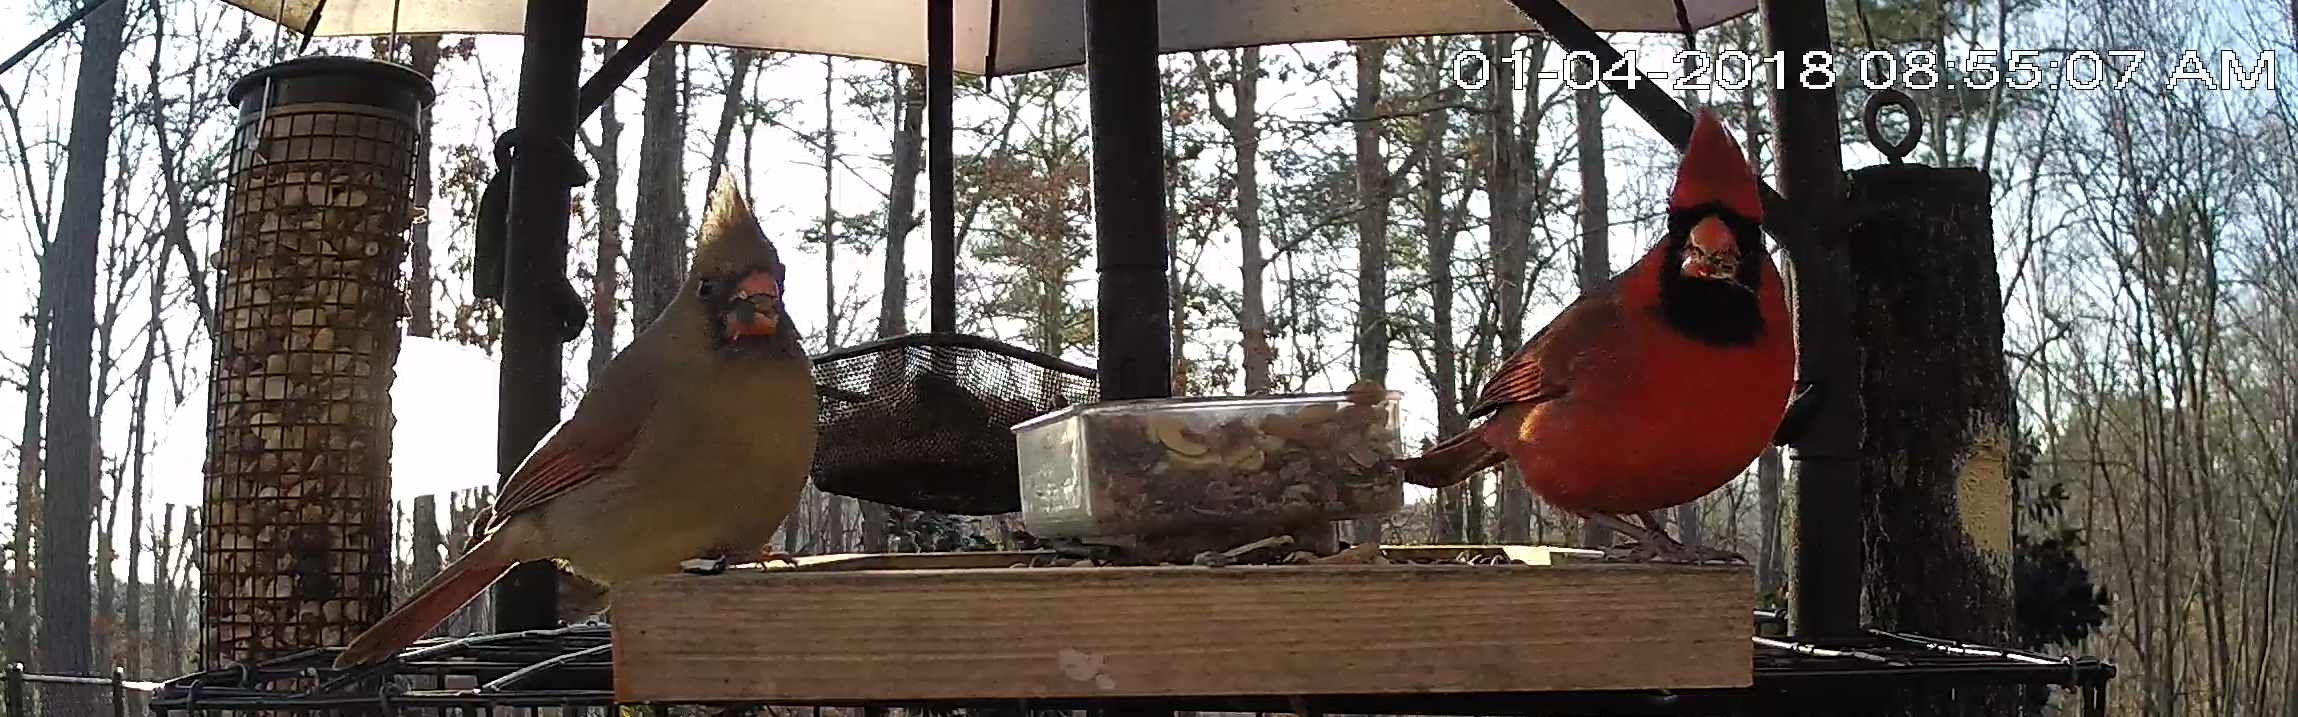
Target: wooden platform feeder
[{"x": 972, "y": 626}]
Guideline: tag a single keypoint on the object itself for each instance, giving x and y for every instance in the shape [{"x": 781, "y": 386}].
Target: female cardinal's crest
[{"x": 731, "y": 239}]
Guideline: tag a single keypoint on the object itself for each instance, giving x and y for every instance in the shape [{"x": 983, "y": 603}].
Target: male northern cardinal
[
  {"x": 692, "y": 443},
  {"x": 1659, "y": 386}
]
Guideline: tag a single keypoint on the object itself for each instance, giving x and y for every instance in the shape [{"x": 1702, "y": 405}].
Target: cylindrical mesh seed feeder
[{"x": 297, "y": 502}]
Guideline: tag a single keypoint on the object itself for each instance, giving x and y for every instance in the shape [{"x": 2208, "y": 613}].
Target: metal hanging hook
[
  {"x": 1896, "y": 150},
  {"x": 392, "y": 46}
]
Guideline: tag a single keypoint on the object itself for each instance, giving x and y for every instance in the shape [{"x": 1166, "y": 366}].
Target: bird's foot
[
  {"x": 1634, "y": 551},
  {"x": 1651, "y": 543},
  {"x": 1667, "y": 549},
  {"x": 1644, "y": 543},
  {"x": 1694, "y": 554}
]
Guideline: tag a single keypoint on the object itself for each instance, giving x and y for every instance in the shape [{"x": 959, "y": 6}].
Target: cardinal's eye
[{"x": 706, "y": 289}]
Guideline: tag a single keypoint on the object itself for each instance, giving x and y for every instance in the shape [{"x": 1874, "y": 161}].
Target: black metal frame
[{"x": 1788, "y": 674}]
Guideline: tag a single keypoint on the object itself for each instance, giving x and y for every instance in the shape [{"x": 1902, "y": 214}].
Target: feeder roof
[{"x": 994, "y": 37}]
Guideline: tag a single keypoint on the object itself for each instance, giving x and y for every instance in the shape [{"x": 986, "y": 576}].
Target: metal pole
[
  {"x": 941, "y": 178},
  {"x": 1828, "y": 555},
  {"x": 532, "y": 376},
  {"x": 1134, "y": 317},
  {"x": 15, "y": 690}
]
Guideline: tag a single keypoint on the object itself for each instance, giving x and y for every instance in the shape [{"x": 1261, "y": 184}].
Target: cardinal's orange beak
[{"x": 756, "y": 307}]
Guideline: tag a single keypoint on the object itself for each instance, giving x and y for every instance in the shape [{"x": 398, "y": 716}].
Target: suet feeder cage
[
  {"x": 297, "y": 496},
  {"x": 924, "y": 421}
]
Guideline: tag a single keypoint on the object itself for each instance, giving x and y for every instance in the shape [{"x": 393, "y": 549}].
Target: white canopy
[{"x": 994, "y": 37}]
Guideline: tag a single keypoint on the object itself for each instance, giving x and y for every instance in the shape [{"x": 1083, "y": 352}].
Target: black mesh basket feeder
[{"x": 924, "y": 421}]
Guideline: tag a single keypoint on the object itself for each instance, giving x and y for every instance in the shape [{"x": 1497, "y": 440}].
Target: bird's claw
[
  {"x": 1633, "y": 551},
  {"x": 1669, "y": 552},
  {"x": 1696, "y": 554},
  {"x": 1796, "y": 419},
  {"x": 1636, "y": 551},
  {"x": 704, "y": 566}
]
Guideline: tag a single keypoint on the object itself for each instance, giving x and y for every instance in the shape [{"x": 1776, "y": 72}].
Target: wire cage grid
[
  {"x": 924, "y": 421},
  {"x": 503, "y": 674},
  {"x": 297, "y": 496}
]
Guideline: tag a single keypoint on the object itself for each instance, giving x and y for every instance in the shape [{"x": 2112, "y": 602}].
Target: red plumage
[{"x": 1657, "y": 387}]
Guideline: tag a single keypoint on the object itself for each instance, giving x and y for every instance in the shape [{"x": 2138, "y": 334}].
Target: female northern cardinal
[
  {"x": 692, "y": 443},
  {"x": 1658, "y": 387}
]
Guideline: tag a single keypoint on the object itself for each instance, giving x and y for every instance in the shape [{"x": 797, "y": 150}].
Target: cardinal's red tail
[
  {"x": 1452, "y": 461},
  {"x": 454, "y": 587}
]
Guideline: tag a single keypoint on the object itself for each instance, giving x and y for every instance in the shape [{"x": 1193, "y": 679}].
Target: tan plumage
[{"x": 693, "y": 442}]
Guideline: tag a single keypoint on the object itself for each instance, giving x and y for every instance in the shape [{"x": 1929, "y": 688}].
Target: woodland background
[{"x": 1338, "y": 210}]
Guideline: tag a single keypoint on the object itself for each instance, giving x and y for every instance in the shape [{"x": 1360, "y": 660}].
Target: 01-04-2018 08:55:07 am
[{"x": 1972, "y": 69}]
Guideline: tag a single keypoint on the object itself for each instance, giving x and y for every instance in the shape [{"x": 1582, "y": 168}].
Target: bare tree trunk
[
  {"x": 834, "y": 513},
  {"x": 18, "y": 640},
  {"x": 1436, "y": 232},
  {"x": 1177, "y": 275},
  {"x": 737, "y": 90},
  {"x": 1509, "y": 250},
  {"x": 423, "y": 537},
  {"x": 64, "y": 597},
  {"x": 177, "y": 233},
  {"x": 901, "y": 218},
  {"x": 121, "y": 264},
  {"x": 795, "y": 522},
  {"x": 134, "y": 644},
  {"x": 901, "y": 215},
  {"x": 606, "y": 277},
  {"x": 29, "y": 454},
  {"x": 104, "y": 630},
  {"x": 1595, "y": 222},
  {"x": 1769, "y": 573},
  {"x": 164, "y": 586},
  {"x": 20, "y": 600},
  {"x": 1533, "y": 180},
  {"x": 658, "y": 237},
  {"x": 1372, "y": 191},
  {"x": 1244, "y": 128},
  {"x": 829, "y": 237},
  {"x": 1687, "y": 519},
  {"x": 464, "y": 509},
  {"x": 423, "y": 55}
]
